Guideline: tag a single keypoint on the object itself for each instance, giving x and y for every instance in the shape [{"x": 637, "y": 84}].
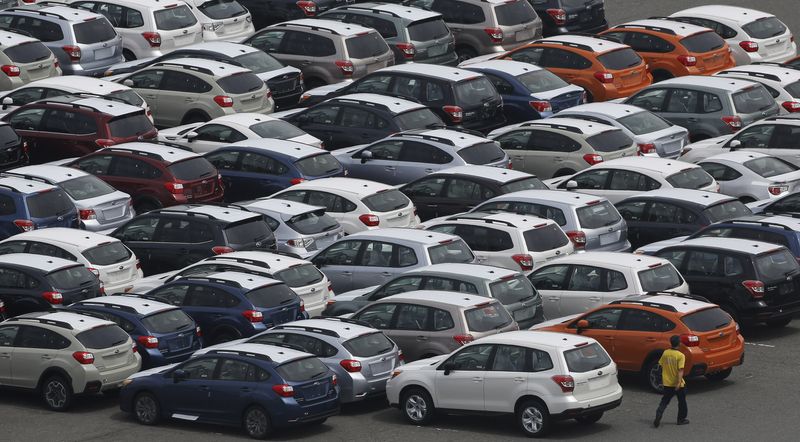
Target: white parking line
[{"x": 760, "y": 345}]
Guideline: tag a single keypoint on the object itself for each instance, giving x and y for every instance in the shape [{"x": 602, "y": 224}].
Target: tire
[
  {"x": 224, "y": 336},
  {"x": 589, "y": 97},
  {"x": 533, "y": 418},
  {"x": 417, "y": 406},
  {"x": 256, "y": 423},
  {"x": 128, "y": 55},
  {"x": 114, "y": 392},
  {"x": 563, "y": 172},
  {"x": 195, "y": 117},
  {"x": 146, "y": 409},
  {"x": 56, "y": 393},
  {"x": 589, "y": 419},
  {"x": 465, "y": 53},
  {"x": 719, "y": 376},
  {"x": 145, "y": 205},
  {"x": 651, "y": 375},
  {"x": 661, "y": 75},
  {"x": 779, "y": 323}
]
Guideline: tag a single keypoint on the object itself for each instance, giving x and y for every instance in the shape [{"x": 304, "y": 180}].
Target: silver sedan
[{"x": 752, "y": 176}]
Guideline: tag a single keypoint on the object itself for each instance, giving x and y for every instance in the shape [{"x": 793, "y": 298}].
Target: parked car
[
  {"x": 223, "y": 19},
  {"x": 781, "y": 82},
  {"x": 752, "y": 176},
  {"x": 571, "y": 16},
  {"x": 268, "y": 12},
  {"x": 15, "y": 150},
  {"x": 786, "y": 204},
  {"x": 26, "y": 205},
  {"x": 25, "y": 59}
]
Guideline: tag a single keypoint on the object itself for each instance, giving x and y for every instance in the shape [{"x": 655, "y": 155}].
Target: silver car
[
  {"x": 752, "y": 176},
  {"x": 24, "y": 59},
  {"x": 223, "y": 19}
]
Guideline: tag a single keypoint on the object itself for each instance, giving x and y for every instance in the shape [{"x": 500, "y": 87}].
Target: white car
[
  {"x": 783, "y": 83},
  {"x": 581, "y": 282},
  {"x": 752, "y": 176},
  {"x": 221, "y": 131},
  {"x": 223, "y": 19},
  {"x": 357, "y": 205},
  {"x": 752, "y": 35},
  {"x": 108, "y": 258},
  {"x": 625, "y": 177},
  {"x": 539, "y": 377}
]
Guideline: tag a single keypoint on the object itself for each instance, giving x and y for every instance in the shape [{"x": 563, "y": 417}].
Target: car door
[
  {"x": 550, "y": 281},
  {"x": 713, "y": 275},
  {"x": 35, "y": 350},
  {"x": 139, "y": 235},
  {"x": 583, "y": 290},
  {"x": 27, "y": 123},
  {"x": 322, "y": 121},
  {"x": 727, "y": 177},
  {"x": 506, "y": 379},
  {"x": 259, "y": 175},
  {"x": 212, "y": 136},
  {"x": 549, "y": 154},
  {"x": 128, "y": 174},
  {"x": 358, "y": 126},
  {"x": 419, "y": 159},
  {"x": 338, "y": 262},
  {"x": 228, "y": 163},
  {"x": 462, "y": 195},
  {"x": 235, "y": 384},
  {"x": 515, "y": 143},
  {"x": 178, "y": 93},
  {"x": 8, "y": 334},
  {"x": 180, "y": 242},
  {"x": 634, "y": 213},
  {"x": 683, "y": 108},
  {"x": 666, "y": 221},
  {"x": 59, "y": 134},
  {"x": 602, "y": 327},
  {"x": 378, "y": 162},
  {"x": 426, "y": 193},
  {"x": 381, "y": 316},
  {"x": 625, "y": 183},
  {"x": 411, "y": 328},
  {"x": 593, "y": 181},
  {"x": 462, "y": 388},
  {"x": 640, "y": 333},
  {"x": 376, "y": 264},
  {"x": 564, "y": 63},
  {"x": 783, "y": 143},
  {"x": 147, "y": 83},
  {"x": 191, "y": 398}
]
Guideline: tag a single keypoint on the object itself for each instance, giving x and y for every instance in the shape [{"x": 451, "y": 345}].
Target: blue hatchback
[
  {"x": 232, "y": 305},
  {"x": 529, "y": 92},
  {"x": 255, "y": 386},
  {"x": 163, "y": 333},
  {"x": 257, "y": 168},
  {"x": 28, "y": 204}
]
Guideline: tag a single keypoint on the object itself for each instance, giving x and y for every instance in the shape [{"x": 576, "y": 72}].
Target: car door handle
[
  {"x": 553, "y": 298},
  {"x": 692, "y": 120},
  {"x": 594, "y": 299},
  {"x": 188, "y": 99},
  {"x": 429, "y": 170},
  {"x": 477, "y": 379},
  {"x": 422, "y": 338},
  {"x": 519, "y": 379},
  {"x": 183, "y": 251},
  {"x": 455, "y": 29},
  {"x": 347, "y": 273},
  {"x": 245, "y": 389},
  {"x": 433, "y": 205},
  {"x": 389, "y": 168},
  {"x": 386, "y": 274},
  {"x": 204, "y": 387},
  {"x": 5, "y": 355},
  {"x": 650, "y": 339},
  {"x": 47, "y": 357}
]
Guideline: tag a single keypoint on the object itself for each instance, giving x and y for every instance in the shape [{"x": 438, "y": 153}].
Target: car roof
[
  {"x": 406, "y": 12},
  {"x": 344, "y": 328},
  {"x": 244, "y": 118},
  {"x": 613, "y": 110},
  {"x": 425, "y": 237},
  {"x": 25, "y": 186},
  {"x": 612, "y": 259},
  {"x": 227, "y": 48},
  {"x": 142, "y": 306},
  {"x": 99, "y": 104},
  {"x": 291, "y": 149},
  {"x": 511, "y": 67},
  {"x": 393, "y": 104},
  {"x": 77, "y": 321},
  {"x": 274, "y": 261},
  {"x": 678, "y": 28},
  {"x": 529, "y": 338},
  {"x": 79, "y": 83},
  {"x": 433, "y": 70},
  {"x": 168, "y": 154},
  {"x": 286, "y": 208},
  {"x": 81, "y": 239},
  {"x": 247, "y": 281},
  {"x": 69, "y": 14},
  {"x": 45, "y": 263},
  {"x": 9, "y": 39},
  {"x": 440, "y": 297},
  {"x": 497, "y": 174},
  {"x": 226, "y": 214},
  {"x": 355, "y": 186},
  {"x": 735, "y": 13},
  {"x": 759, "y": 220},
  {"x": 278, "y": 354},
  {"x": 458, "y": 139},
  {"x": 49, "y": 172},
  {"x": 730, "y": 244},
  {"x": 556, "y": 196},
  {"x": 587, "y": 128},
  {"x": 681, "y": 304},
  {"x": 217, "y": 68},
  {"x": 490, "y": 273},
  {"x": 699, "y": 197},
  {"x": 154, "y": 4},
  {"x": 661, "y": 166},
  {"x": 724, "y": 83},
  {"x": 598, "y": 45},
  {"x": 337, "y": 27},
  {"x": 519, "y": 221},
  {"x": 736, "y": 156},
  {"x": 769, "y": 72}
]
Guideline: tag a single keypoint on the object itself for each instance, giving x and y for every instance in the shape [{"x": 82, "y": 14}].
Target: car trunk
[
  {"x": 176, "y": 24},
  {"x": 628, "y": 69},
  {"x": 669, "y": 142},
  {"x": 479, "y": 101},
  {"x": 115, "y": 262},
  {"x": 431, "y": 38},
  {"x": 310, "y": 379},
  {"x": 590, "y": 368},
  {"x": 284, "y": 82},
  {"x": 378, "y": 355},
  {"x": 108, "y": 210},
  {"x": 174, "y": 329},
  {"x": 561, "y": 98},
  {"x": 709, "y": 49},
  {"x": 230, "y": 14},
  {"x": 248, "y": 92},
  {"x": 277, "y": 302},
  {"x": 392, "y": 208},
  {"x": 198, "y": 176},
  {"x": 778, "y": 270},
  {"x": 368, "y": 52},
  {"x": 307, "y": 282},
  {"x": 774, "y": 39},
  {"x": 74, "y": 283},
  {"x": 34, "y": 60},
  {"x": 110, "y": 345},
  {"x": 583, "y": 13},
  {"x": 98, "y": 42},
  {"x": 714, "y": 328}
]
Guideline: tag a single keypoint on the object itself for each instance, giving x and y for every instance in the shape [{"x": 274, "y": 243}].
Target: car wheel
[
  {"x": 589, "y": 419},
  {"x": 563, "y": 172},
  {"x": 651, "y": 373},
  {"x": 57, "y": 393},
  {"x": 661, "y": 75},
  {"x": 778, "y": 323},
  {"x": 195, "y": 117},
  {"x": 256, "y": 423},
  {"x": 720, "y": 375},
  {"x": 128, "y": 55},
  {"x": 145, "y": 206},
  {"x": 146, "y": 409},
  {"x": 533, "y": 418},
  {"x": 417, "y": 406},
  {"x": 114, "y": 392},
  {"x": 224, "y": 336},
  {"x": 465, "y": 53}
]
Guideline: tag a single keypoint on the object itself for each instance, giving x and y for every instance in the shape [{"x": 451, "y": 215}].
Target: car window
[
  {"x": 219, "y": 133},
  {"x": 413, "y": 317},
  {"x": 703, "y": 264},
  {"x": 201, "y": 368},
  {"x": 597, "y": 215},
  {"x": 377, "y": 254},
  {"x": 710, "y": 103},
  {"x": 376, "y": 84},
  {"x": 14, "y": 279},
  {"x": 550, "y": 277},
  {"x": 702, "y": 42},
  {"x": 651, "y": 99},
  {"x": 42, "y": 30},
  {"x": 416, "y": 152},
  {"x": 586, "y": 278},
  {"x": 306, "y": 44},
  {"x": 547, "y": 141},
  {"x": 399, "y": 285},
  {"x": 26, "y": 119},
  {"x": 12, "y": 247},
  {"x": 708, "y": 319},
  {"x": 315, "y": 346},
  {"x": 640, "y": 320},
  {"x": 148, "y": 79},
  {"x": 202, "y": 296},
  {"x": 40, "y": 248},
  {"x": 261, "y": 164},
  {"x": 604, "y": 319},
  {"x": 509, "y": 358},
  {"x": 26, "y": 95},
  {"x": 790, "y": 203},
  {"x": 268, "y": 40},
  {"x": 95, "y": 164},
  {"x": 690, "y": 178},
  {"x": 140, "y": 229},
  {"x": 615, "y": 281},
  {"x": 360, "y": 118},
  {"x": 121, "y": 323},
  {"x": 233, "y": 370},
  {"x": 472, "y": 358},
  {"x": 183, "y": 82},
  {"x": 562, "y": 59},
  {"x": 323, "y": 114},
  {"x": 183, "y": 231},
  {"x": 408, "y": 87},
  {"x": 173, "y": 294},
  {"x": 175, "y": 17},
  {"x": 663, "y": 213},
  {"x": 386, "y": 150},
  {"x": 785, "y": 137},
  {"x": 37, "y": 337},
  {"x": 449, "y": 285},
  {"x": 341, "y": 253},
  {"x": 586, "y": 358},
  {"x": 720, "y": 172},
  {"x": 683, "y": 101},
  {"x": 468, "y": 190},
  {"x": 377, "y": 316},
  {"x": 7, "y": 335},
  {"x": 593, "y": 179},
  {"x": 426, "y": 187},
  {"x": 753, "y": 99},
  {"x": 7, "y": 205},
  {"x": 224, "y": 160},
  {"x": 134, "y": 168},
  {"x": 455, "y": 251},
  {"x": 770, "y": 166},
  {"x": 517, "y": 140},
  {"x": 641, "y": 42},
  {"x": 528, "y": 55},
  {"x": 756, "y": 137}
]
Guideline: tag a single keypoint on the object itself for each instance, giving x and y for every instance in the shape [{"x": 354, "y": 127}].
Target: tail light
[
  {"x": 778, "y": 189},
  {"x": 54, "y": 298},
  {"x": 645, "y": 148},
  {"x": 509, "y": 166},
  {"x": 749, "y": 46},
  {"x": 198, "y": 332},
  {"x": 26, "y": 149},
  {"x": 541, "y": 106},
  {"x": 407, "y": 49},
  {"x": 83, "y": 357},
  {"x": 223, "y": 101},
  {"x": 330, "y": 290},
  {"x": 94, "y": 271},
  {"x": 604, "y": 77},
  {"x": 104, "y": 142},
  {"x": 733, "y": 121},
  {"x": 351, "y": 365},
  {"x": 102, "y": 289},
  {"x": 584, "y": 97},
  {"x": 10, "y": 70},
  {"x": 148, "y": 341},
  {"x": 283, "y": 390},
  {"x": 253, "y": 315},
  {"x": 73, "y": 52},
  {"x": 455, "y": 112},
  {"x": 56, "y": 64},
  {"x": 174, "y": 188},
  {"x": 308, "y": 8},
  {"x": 87, "y": 214},
  {"x": 593, "y": 158},
  {"x": 2, "y": 307},
  {"x": 756, "y": 288},
  {"x": 153, "y": 39},
  {"x": 294, "y": 181},
  {"x": 138, "y": 265},
  {"x": 524, "y": 261},
  {"x": 346, "y": 67},
  {"x": 464, "y": 339},
  {"x": 791, "y": 106},
  {"x": 578, "y": 238},
  {"x": 369, "y": 220},
  {"x": 267, "y": 94},
  {"x": 690, "y": 340},
  {"x": 334, "y": 381},
  {"x": 134, "y": 348},
  {"x": 688, "y": 60},
  {"x": 25, "y": 225},
  {"x": 302, "y": 306},
  {"x": 495, "y": 34},
  {"x": 400, "y": 356},
  {"x": 566, "y": 383},
  {"x": 220, "y": 250},
  {"x": 559, "y": 16}
]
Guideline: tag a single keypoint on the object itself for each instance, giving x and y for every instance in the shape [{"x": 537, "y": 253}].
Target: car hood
[
  {"x": 556, "y": 321},
  {"x": 148, "y": 283},
  {"x": 131, "y": 64},
  {"x": 327, "y": 89},
  {"x": 228, "y": 344},
  {"x": 171, "y": 134},
  {"x": 423, "y": 364},
  {"x": 353, "y": 294},
  {"x": 480, "y": 58},
  {"x": 269, "y": 75},
  {"x": 552, "y": 183},
  {"x": 152, "y": 371},
  {"x": 284, "y": 115},
  {"x": 710, "y": 142},
  {"x": 758, "y": 206},
  {"x": 346, "y": 151},
  {"x": 653, "y": 248},
  {"x": 549, "y": 95}
]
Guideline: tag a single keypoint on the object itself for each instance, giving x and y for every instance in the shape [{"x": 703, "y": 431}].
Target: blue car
[
  {"x": 255, "y": 386},
  {"x": 232, "y": 305},
  {"x": 163, "y": 333},
  {"x": 529, "y": 92},
  {"x": 27, "y": 204},
  {"x": 257, "y": 168}
]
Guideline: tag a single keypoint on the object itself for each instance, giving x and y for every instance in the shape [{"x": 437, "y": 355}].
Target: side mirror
[
  {"x": 448, "y": 367},
  {"x": 191, "y": 136},
  {"x": 582, "y": 325},
  {"x": 571, "y": 185},
  {"x": 179, "y": 375},
  {"x": 366, "y": 155},
  {"x": 735, "y": 144},
  {"x": 7, "y": 101},
  {"x": 128, "y": 82}
]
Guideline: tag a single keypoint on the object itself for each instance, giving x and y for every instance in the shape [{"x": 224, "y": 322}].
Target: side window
[
  {"x": 586, "y": 278},
  {"x": 442, "y": 320},
  {"x": 552, "y": 142},
  {"x": 302, "y": 43},
  {"x": 663, "y": 213},
  {"x": 202, "y": 368},
  {"x": 756, "y": 137},
  {"x": 36, "y": 337},
  {"x": 550, "y": 277},
  {"x": 342, "y": 253},
  {"x": 26, "y": 119},
  {"x": 593, "y": 179},
  {"x": 788, "y": 204},
  {"x": 12, "y": 279},
  {"x": 324, "y": 114},
  {"x": 703, "y": 264},
  {"x": 720, "y": 172},
  {"x": 540, "y": 360},
  {"x": 272, "y": 223},
  {"x": 387, "y": 150},
  {"x": 528, "y": 55},
  {"x": 7, "y": 335},
  {"x": 486, "y": 239},
  {"x": 651, "y": 99},
  {"x": 509, "y": 358},
  {"x": 131, "y": 18},
  {"x": 12, "y": 246},
  {"x": 298, "y": 196},
  {"x": 122, "y": 323},
  {"x": 640, "y": 320},
  {"x": 500, "y": 84},
  {"x": 449, "y": 285},
  {"x": 377, "y": 316},
  {"x": 183, "y": 82},
  {"x": 219, "y": 133},
  {"x": 632, "y": 210},
  {"x": 561, "y": 59},
  {"x": 641, "y": 42},
  {"x": 676, "y": 257},
  {"x": 324, "y": 199},
  {"x": 377, "y": 254},
  {"x": 399, "y": 285},
  {"x": 468, "y": 190},
  {"x": 785, "y": 137},
  {"x": 40, "y": 248},
  {"x": 267, "y": 41},
  {"x": 433, "y": 92},
  {"x": 202, "y": 296},
  {"x": 174, "y": 294},
  {"x": 408, "y": 87},
  {"x": 149, "y": 79},
  {"x": 375, "y": 84},
  {"x": 605, "y": 319},
  {"x": 233, "y": 370},
  {"x": 732, "y": 266},
  {"x": 134, "y": 168},
  {"x": 26, "y": 95},
  {"x": 413, "y": 317},
  {"x": 139, "y": 229},
  {"x": 683, "y": 101},
  {"x": 428, "y": 187},
  {"x": 472, "y": 358},
  {"x": 359, "y": 118},
  {"x": 257, "y": 163},
  {"x": 711, "y": 103},
  {"x": 174, "y": 230},
  {"x": 384, "y": 27},
  {"x": 516, "y": 140},
  {"x": 7, "y": 206},
  {"x": 405, "y": 256},
  {"x": 311, "y": 345},
  {"x": 469, "y": 14},
  {"x": 415, "y": 152},
  {"x": 627, "y": 180},
  {"x": 615, "y": 281},
  {"x": 66, "y": 122},
  {"x": 224, "y": 160},
  {"x": 42, "y": 30},
  {"x": 95, "y": 164}
]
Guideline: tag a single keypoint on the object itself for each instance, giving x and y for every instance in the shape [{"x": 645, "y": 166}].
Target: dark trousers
[{"x": 683, "y": 410}]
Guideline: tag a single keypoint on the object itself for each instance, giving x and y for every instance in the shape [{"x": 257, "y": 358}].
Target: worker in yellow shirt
[{"x": 672, "y": 363}]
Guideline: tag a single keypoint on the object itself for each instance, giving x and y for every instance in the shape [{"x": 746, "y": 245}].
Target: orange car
[
  {"x": 674, "y": 49},
  {"x": 606, "y": 69},
  {"x": 636, "y": 330}
]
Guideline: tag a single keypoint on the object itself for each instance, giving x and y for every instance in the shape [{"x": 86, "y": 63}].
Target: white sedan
[{"x": 752, "y": 176}]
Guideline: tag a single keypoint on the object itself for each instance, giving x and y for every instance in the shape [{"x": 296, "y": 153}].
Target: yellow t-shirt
[{"x": 671, "y": 362}]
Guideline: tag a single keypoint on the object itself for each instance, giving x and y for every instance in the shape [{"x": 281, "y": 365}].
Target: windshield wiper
[{"x": 119, "y": 342}]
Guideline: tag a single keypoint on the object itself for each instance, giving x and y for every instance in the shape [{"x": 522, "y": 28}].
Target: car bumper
[
  {"x": 360, "y": 388},
  {"x": 122, "y": 287},
  {"x": 713, "y": 361},
  {"x": 448, "y": 59},
  {"x": 765, "y": 313},
  {"x": 92, "y": 225},
  {"x": 592, "y": 29},
  {"x": 294, "y": 414},
  {"x": 246, "y": 32},
  {"x": 155, "y": 358},
  {"x": 537, "y": 318},
  {"x": 615, "y": 247},
  {"x": 572, "y": 413},
  {"x": 94, "y": 381},
  {"x": 99, "y": 71}
]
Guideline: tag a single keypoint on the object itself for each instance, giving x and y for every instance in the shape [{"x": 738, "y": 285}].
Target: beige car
[
  {"x": 24, "y": 59},
  {"x": 426, "y": 323}
]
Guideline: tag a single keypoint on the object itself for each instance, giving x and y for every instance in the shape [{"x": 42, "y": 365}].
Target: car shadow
[
  {"x": 762, "y": 332},
  {"x": 33, "y": 401}
]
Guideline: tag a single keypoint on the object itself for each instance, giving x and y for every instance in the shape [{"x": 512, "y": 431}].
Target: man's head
[{"x": 675, "y": 341}]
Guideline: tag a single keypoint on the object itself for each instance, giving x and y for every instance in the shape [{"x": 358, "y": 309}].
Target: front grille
[
  {"x": 10, "y": 155},
  {"x": 284, "y": 85}
]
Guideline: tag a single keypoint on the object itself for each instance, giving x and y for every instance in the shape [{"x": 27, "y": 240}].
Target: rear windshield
[
  {"x": 474, "y": 92},
  {"x": 275, "y": 295},
  {"x": 49, "y": 203},
  {"x": 317, "y": 165},
  {"x": 128, "y": 96},
  {"x": 101, "y": 337},
  {"x": 247, "y": 231},
  {"x": 192, "y": 169},
  {"x": 753, "y": 99},
  {"x": 85, "y": 187},
  {"x": 644, "y": 123},
  {"x": 241, "y": 83},
  {"x": 483, "y": 153},
  {"x": 425, "y": 30},
  {"x": 366, "y": 45},
  {"x": 386, "y": 201},
  {"x": 703, "y": 42},
  {"x": 610, "y": 141},
  {"x": 776, "y": 265},
  {"x": 620, "y": 59},
  {"x": 276, "y": 129},
  {"x": 452, "y": 251},
  {"x": 93, "y": 31},
  {"x": 70, "y": 278},
  {"x": 174, "y": 18},
  {"x": 706, "y": 320},
  {"x": 541, "y": 81},
  {"x": 770, "y": 166},
  {"x": 220, "y": 9},
  {"x": 302, "y": 369},
  {"x": 299, "y": 275},
  {"x": 28, "y": 52},
  {"x": 511, "y": 290},
  {"x": 660, "y": 279},
  {"x": 727, "y": 210},
  {"x": 793, "y": 89},
  {"x": 130, "y": 125},
  {"x": 418, "y": 119},
  {"x": 258, "y": 62},
  {"x": 514, "y": 13},
  {"x": 368, "y": 345},
  {"x": 490, "y": 316},
  {"x": 531, "y": 183},
  {"x": 692, "y": 178},
  {"x": 598, "y": 215},
  {"x": 312, "y": 222},
  {"x": 167, "y": 321},
  {"x": 107, "y": 254},
  {"x": 545, "y": 238},
  {"x": 586, "y": 358},
  {"x": 765, "y": 28}
]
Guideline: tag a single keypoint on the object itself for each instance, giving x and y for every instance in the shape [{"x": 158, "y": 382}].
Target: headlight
[{"x": 126, "y": 382}]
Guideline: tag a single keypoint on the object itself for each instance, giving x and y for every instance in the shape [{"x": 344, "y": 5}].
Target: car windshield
[
  {"x": 726, "y": 210},
  {"x": 368, "y": 345},
  {"x": 302, "y": 369},
  {"x": 241, "y": 83},
  {"x": 275, "y": 295},
  {"x": 130, "y": 125},
  {"x": 753, "y": 99},
  {"x": 770, "y": 166},
  {"x": 597, "y": 215},
  {"x": 386, "y": 201},
  {"x": 610, "y": 141},
  {"x": 701, "y": 42},
  {"x": 299, "y": 275},
  {"x": 192, "y": 169},
  {"x": 85, "y": 187},
  {"x": 545, "y": 238},
  {"x": 661, "y": 278},
  {"x": 482, "y": 153},
  {"x": 28, "y": 52},
  {"x": 645, "y": 122},
  {"x": 475, "y": 92},
  {"x": 426, "y": 30},
  {"x": 318, "y": 165},
  {"x": 70, "y": 277},
  {"x": 487, "y": 316},
  {"x": 777, "y": 264},
  {"x": 106, "y": 254},
  {"x": 541, "y": 81},
  {"x": 451, "y": 251},
  {"x": 168, "y": 321},
  {"x": 706, "y": 320},
  {"x": 587, "y": 357},
  {"x": 101, "y": 337},
  {"x": 514, "y": 12},
  {"x": 247, "y": 231},
  {"x": 93, "y": 31},
  {"x": 366, "y": 45},
  {"x": 276, "y": 129},
  {"x": 176, "y": 17},
  {"x": 765, "y": 28},
  {"x": 418, "y": 119},
  {"x": 49, "y": 203},
  {"x": 691, "y": 178},
  {"x": 512, "y": 289},
  {"x": 221, "y": 9},
  {"x": 620, "y": 59},
  {"x": 128, "y": 96},
  {"x": 258, "y": 62},
  {"x": 531, "y": 183},
  {"x": 311, "y": 223}
]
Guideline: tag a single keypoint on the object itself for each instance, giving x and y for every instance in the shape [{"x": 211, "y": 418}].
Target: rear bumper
[
  {"x": 572, "y": 413},
  {"x": 448, "y": 59},
  {"x": 714, "y": 361},
  {"x": 296, "y": 414},
  {"x": 765, "y": 313},
  {"x": 361, "y": 388},
  {"x": 530, "y": 322}
]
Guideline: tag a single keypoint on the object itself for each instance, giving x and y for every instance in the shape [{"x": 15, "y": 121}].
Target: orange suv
[
  {"x": 636, "y": 330},
  {"x": 674, "y": 49},
  {"x": 607, "y": 69}
]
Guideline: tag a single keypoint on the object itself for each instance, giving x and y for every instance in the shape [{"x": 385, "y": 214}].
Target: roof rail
[
  {"x": 205, "y": 71},
  {"x": 304, "y": 25},
  {"x": 36, "y": 11},
  {"x": 24, "y": 318},
  {"x": 9, "y": 174},
  {"x": 475, "y": 218},
  {"x": 317, "y": 330},
  {"x": 424, "y": 137},
  {"x": 600, "y": 37},
  {"x": 565, "y": 43},
  {"x": 542, "y": 123},
  {"x": 253, "y": 262},
  {"x": 282, "y": 344},
  {"x": 789, "y": 214},
  {"x": 213, "y": 280},
  {"x": 753, "y": 74},
  {"x": 248, "y": 354},
  {"x": 360, "y": 8},
  {"x": 124, "y": 308},
  {"x": 150, "y": 297},
  {"x": 679, "y": 295},
  {"x": 346, "y": 320},
  {"x": 759, "y": 223},
  {"x": 361, "y": 102},
  {"x": 646, "y": 27},
  {"x": 657, "y": 305}
]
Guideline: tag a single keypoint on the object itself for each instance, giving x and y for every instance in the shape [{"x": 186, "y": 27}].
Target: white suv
[
  {"x": 60, "y": 354},
  {"x": 223, "y": 19},
  {"x": 540, "y": 377}
]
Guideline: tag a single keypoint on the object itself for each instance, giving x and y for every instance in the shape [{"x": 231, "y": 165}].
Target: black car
[
  {"x": 268, "y": 12},
  {"x": 459, "y": 189},
  {"x": 173, "y": 238},
  {"x": 13, "y": 151},
  {"x": 362, "y": 118},
  {"x": 32, "y": 283},
  {"x": 666, "y": 213},
  {"x": 569, "y": 16},
  {"x": 789, "y": 203},
  {"x": 460, "y": 97},
  {"x": 755, "y": 282}
]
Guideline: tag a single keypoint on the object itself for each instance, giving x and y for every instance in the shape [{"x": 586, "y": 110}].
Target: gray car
[
  {"x": 407, "y": 156},
  {"x": 707, "y": 106},
  {"x": 23, "y": 60},
  {"x": 375, "y": 256},
  {"x": 84, "y": 42}
]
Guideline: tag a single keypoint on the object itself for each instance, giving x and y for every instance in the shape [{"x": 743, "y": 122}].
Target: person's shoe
[
  {"x": 683, "y": 422},
  {"x": 657, "y": 420}
]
